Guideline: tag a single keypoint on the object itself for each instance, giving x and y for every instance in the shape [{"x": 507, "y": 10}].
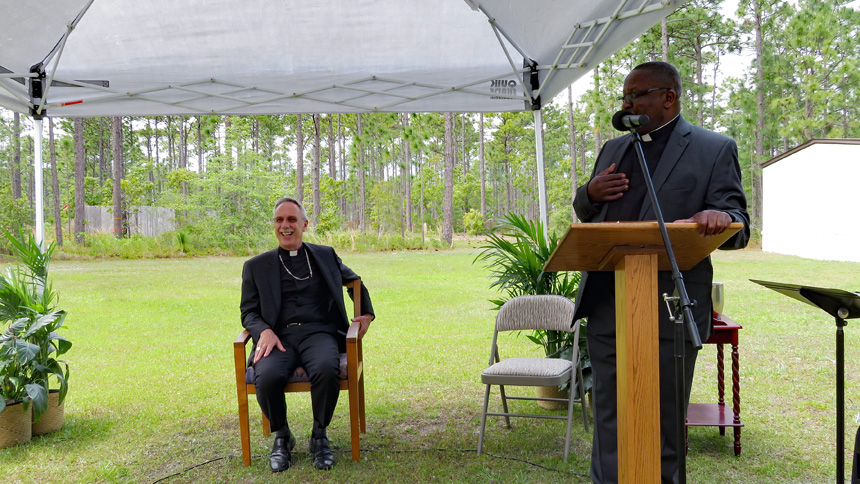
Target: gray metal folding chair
[{"x": 527, "y": 313}]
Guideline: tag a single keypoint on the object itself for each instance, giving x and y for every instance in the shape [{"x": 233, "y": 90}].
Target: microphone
[{"x": 625, "y": 120}]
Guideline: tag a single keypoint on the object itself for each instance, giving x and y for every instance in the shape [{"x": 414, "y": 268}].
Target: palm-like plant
[
  {"x": 515, "y": 254},
  {"x": 24, "y": 287}
]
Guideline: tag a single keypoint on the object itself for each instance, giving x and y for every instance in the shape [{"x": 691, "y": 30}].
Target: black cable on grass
[
  {"x": 408, "y": 451},
  {"x": 192, "y": 467}
]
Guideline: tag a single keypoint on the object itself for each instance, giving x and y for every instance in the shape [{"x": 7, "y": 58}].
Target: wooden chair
[{"x": 352, "y": 380}]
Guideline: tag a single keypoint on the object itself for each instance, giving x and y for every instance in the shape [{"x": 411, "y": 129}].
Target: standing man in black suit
[
  {"x": 697, "y": 179},
  {"x": 292, "y": 306}
]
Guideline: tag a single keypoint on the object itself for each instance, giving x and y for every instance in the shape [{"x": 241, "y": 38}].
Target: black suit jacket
[
  {"x": 261, "y": 289},
  {"x": 698, "y": 171}
]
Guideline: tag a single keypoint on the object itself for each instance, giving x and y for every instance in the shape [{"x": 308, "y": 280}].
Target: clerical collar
[
  {"x": 659, "y": 132},
  {"x": 292, "y": 253}
]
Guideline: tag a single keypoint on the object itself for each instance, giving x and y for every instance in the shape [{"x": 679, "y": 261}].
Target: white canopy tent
[{"x": 162, "y": 57}]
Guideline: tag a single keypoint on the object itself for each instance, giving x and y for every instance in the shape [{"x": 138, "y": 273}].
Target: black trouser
[
  {"x": 602, "y": 351},
  {"x": 855, "y": 471},
  {"x": 314, "y": 347}
]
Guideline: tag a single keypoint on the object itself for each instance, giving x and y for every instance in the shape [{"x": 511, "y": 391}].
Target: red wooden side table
[{"x": 717, "y": 414}]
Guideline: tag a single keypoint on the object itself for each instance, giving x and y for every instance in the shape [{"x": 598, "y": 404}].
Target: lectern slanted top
[{"x": 599, "y": 246}]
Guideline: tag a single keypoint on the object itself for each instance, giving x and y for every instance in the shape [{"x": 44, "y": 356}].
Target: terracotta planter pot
[
  {"x": 552, "y": 392},
  {"x": 52, "y": 419},
  {"x": 16, "y": 424}
]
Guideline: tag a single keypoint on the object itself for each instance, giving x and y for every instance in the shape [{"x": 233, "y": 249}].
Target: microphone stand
[{"x": 685, "y": 315}]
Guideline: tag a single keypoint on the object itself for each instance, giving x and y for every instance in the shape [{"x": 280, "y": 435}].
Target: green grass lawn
[{"x": 152, "y": 390}]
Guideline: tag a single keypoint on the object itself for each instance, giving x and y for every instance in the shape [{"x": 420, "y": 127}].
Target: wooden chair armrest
[
  {"x": 240, "y": 359},
  {"x": 352, "y": 333},
  {"x": 356, "y": 297},
  {"x": 353, "y": 340},
  {"x": 242, "y": 340}
]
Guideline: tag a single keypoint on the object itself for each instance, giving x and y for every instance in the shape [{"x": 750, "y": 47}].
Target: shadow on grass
[
  {"x": 77, "y": 431},
  {"x": 712, "y": 454},
  {"x": 427, "y": 442}
]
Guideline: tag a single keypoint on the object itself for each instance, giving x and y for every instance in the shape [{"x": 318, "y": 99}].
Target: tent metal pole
[
  {"x": 540, "y": 172},
  {"x": 39, "y": 185}
]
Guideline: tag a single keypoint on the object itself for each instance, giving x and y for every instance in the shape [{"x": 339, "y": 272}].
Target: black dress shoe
[
  {"x": 323, "y": 456},
  {"x": 280, "y": 458}
]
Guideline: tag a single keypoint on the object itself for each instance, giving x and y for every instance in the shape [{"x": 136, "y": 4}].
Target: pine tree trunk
[
  {"x": 80, "y": 173},
  {"x": 31, "y": 180},
  {"x": 483, "y": 177},
  {"x": 755, "y": 166},
  {"x": 342, "y": 163},
  {"x": 149, "y": 136},
  {"x": 316, "y": 170},
  {"x": 228, "y": 142},
  {"x": 361, "y": 175},
  {"x": 55, "y": 185},
  {"x": 332, "y": 167},
  {"x": 598, "y": 142},
  {"x": 157, "y": 152},
  {"x": 183, "y": 154},
  {"x": 201, "y": 165},
  {"x": 448, "y": 203},
  {"x": 508, "y": 187},
  {"x": 664, "y": 37},
  {"x": 101, "y": 148},
  {"x": 421, "y": 196},
  {"x": 463, "y": 140},
  {"x": 16, "y": 156},
  {"x": 407, "y": 175},
  {"x": 572, "y": 135},
  {"x": 255, "y": 135},
  {"x": 171, "y": 145},
  {"x": 116, "y": 125},
  {"x": 300, "y": 161}
]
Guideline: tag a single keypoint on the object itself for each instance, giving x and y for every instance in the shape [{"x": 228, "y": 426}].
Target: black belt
[{"x": 289, "y": 325}]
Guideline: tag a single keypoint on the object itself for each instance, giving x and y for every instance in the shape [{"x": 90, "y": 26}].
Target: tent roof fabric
[{"x": 163, "y": 57}]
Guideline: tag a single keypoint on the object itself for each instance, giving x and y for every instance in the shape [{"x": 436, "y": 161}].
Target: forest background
[{"x": 413, "y": 180}]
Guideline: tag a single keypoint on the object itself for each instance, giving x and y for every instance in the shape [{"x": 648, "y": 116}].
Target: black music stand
[{"x": 841, "y": 305}]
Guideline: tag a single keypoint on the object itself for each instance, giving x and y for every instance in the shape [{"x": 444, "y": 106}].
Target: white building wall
[{"x": 810, "y": 200}]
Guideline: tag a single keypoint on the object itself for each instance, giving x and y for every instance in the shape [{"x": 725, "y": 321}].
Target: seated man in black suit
[{"x": 291, "y": 305}]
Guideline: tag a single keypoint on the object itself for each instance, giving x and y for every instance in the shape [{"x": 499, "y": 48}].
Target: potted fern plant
[{"x": 515, "y": 253}]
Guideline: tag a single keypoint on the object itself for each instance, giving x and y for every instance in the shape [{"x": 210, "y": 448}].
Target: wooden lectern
[{"x": 635, "y": 251}]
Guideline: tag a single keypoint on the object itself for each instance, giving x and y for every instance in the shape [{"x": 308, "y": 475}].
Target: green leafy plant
[
  {"x": 515, "y": 253},
  {"x": 473, "y": 223},
  {"x": 51, "y": 345},
  {"x": 30, "y": 346},
  {"x": 17, "y": 357},
  {"x": 182, "y": 238}
]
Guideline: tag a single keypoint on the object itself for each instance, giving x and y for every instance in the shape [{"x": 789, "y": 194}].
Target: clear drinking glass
[{"x": 718, "y": 297}]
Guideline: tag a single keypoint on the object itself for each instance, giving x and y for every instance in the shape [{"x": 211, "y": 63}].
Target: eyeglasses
[
  {"x": 632, "y": 96},
  {"x": 280, "y": 220}
]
